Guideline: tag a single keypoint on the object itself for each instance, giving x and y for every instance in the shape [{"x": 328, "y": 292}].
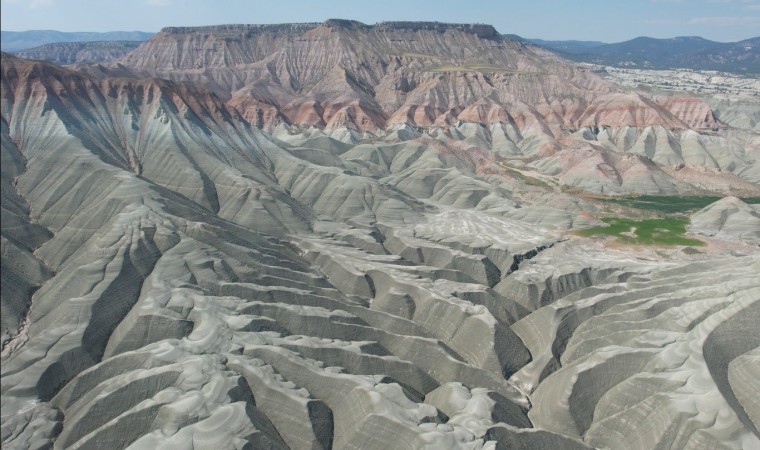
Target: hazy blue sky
[{"x": 604, "y": 20}]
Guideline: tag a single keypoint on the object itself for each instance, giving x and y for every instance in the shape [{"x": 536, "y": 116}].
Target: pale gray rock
[
  {"x": 627, "y": 361},
  {"x": 728, "y": 218},
  {"x": 177, "y": 273},
  {"x": 22, "y": 271},
  {"x": 743, "y": 377}
]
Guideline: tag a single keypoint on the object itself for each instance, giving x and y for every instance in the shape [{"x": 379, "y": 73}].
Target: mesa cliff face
[
  {"x": 351, "y": 78},
  {"x": 347, "y": 236},
  {"x": 413, "y": 72}
]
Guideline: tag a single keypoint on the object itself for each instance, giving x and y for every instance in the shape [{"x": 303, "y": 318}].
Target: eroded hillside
[{"x": 347, "y": 236}]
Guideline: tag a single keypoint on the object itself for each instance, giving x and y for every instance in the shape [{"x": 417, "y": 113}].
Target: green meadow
[
  {"x": 666, "y": 228},
  {"x": 665, "y": 231},
  {"x": 671, "y": 204}
]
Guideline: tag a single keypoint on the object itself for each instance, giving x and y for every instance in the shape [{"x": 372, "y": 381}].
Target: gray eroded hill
[
  {"x": 179, "y": 276},
  {"x": 460, "y": 81},
  {"x": 730, "y": 218}
]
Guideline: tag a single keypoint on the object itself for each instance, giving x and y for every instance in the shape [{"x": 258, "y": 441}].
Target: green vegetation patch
[
  {"x": 667, "y": 231},
  {"x": 671, "y": 204}
]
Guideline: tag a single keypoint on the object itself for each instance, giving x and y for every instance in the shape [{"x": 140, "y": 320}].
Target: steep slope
[
  {"x": 729, "y": 218},
  {"x": 357, "y": 80},
  {"x": 614, "y": 365},
  {"x": 149, "y": 228},
  {"x": 22, "y": 272},
  {"x": 388, "y": 63},
  {"x": 323, "y": 259}
]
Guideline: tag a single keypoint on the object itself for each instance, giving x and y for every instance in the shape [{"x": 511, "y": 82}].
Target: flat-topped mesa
[
  {"x": 481, "y": 30},
  {"x": 248, "y": 29},
  {"x": 346, "y": 24},
  {"x": 344, "y": 73},
  {"x": 312, "y": 45}
]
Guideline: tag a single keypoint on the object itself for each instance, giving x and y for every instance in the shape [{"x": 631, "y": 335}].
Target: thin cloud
[
  {"x": 34, "y": 4},
  {"x": 752, "y": 5},
  {"x": 727, "y": 21},
  {"x": 158, "y": 2},
  {"x": 724, "y": 21}
]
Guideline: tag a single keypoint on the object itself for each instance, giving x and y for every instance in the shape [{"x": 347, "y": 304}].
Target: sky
[{"x": 597, "y": 20}]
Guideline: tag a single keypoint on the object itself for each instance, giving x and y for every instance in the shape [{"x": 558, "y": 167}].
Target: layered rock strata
[{"x": 181, "y": 274}]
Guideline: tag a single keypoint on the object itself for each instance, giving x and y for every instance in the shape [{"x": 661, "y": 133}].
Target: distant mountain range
[
  {"x": 650, "y": 53},
  {"x": 567, "y": 46},
  {"x": 80, "y": 52},
  {"x": 20, "y": 40}
]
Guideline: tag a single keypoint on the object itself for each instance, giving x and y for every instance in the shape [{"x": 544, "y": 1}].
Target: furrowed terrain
[
  {"x": 347, "y": 236},
  {"x": 79, "y": 52}
]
